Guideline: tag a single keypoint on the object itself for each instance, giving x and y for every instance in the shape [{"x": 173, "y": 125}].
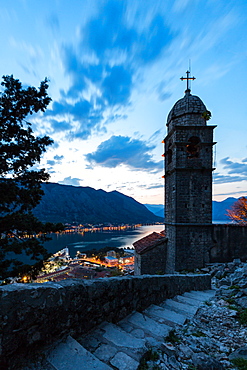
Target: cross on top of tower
[{"x": 187, "y": 78}]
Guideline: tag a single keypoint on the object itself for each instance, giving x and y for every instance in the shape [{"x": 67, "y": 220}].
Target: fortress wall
[
  {"x": 229, "y": 242},
  {"x": 33, "y": 316}
]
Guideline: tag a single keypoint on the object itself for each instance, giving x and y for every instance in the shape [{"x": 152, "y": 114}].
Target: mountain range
[
  {"x": 219, "y": 209},
  {"x": 77, "y": 204},
  {"x": 69, "y": 204}
]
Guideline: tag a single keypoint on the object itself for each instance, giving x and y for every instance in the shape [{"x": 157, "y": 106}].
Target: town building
[
  {"x": 111, "y": 254},
  {"x": 126, "y": 260},
  {"x": 150, "y": 254},
  {"x": 111, "y": 261}
]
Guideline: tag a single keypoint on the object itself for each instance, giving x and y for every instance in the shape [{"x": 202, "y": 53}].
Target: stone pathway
[
  {"x": 194, "y": 331},
  {"x": 121, "y": 346}
]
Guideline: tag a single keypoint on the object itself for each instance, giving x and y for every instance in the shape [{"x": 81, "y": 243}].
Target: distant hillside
[
  {"x": 66, "y": 203},
  {"x": 160, "y": 213},
  {"x": 219, "y": 209},
  {"x": 157, "y": 209}
]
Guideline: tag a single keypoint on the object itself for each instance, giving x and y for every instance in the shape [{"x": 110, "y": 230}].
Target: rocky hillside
[{"x": 66, "y": 203}]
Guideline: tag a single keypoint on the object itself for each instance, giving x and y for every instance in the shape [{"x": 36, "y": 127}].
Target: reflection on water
[{"x": 86, "y": 241}]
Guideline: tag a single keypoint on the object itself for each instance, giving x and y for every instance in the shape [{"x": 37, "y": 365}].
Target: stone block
[
  {"x": 239, "y": 353},
  {"x": 70, "y": 355},
  {"x": 168, "y": 316},
  {"x": 148, "y": 325},
  {"x": 124, "y": 362},
  {"x": 105, "y": 352}
]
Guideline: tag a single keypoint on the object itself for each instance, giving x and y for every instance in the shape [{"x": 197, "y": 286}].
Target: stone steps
[
  {"x": 149, "y": 327},
  {"x": 180, "y": 307},
  {"x": 120, "y": 346},
  {"x": 165, "y": 315},
  {"x": 200, "y": 296},
  {"x": 70, "y": 355},
  {"x": 188, "y": 301}
]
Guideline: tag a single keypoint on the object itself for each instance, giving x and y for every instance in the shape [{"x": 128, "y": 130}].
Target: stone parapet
[
  {"x": 229, "y": 241},
  {"x": 33, "y": 316}
]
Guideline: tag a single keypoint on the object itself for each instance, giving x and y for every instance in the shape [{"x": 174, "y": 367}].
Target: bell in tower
[{"x": 188, "y": 183}]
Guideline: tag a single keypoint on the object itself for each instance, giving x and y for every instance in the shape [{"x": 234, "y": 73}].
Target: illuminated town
[{"x": 61, "y": 266}]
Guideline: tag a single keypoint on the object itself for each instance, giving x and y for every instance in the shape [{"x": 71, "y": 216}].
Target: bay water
[{"x": 99, "y": 239}]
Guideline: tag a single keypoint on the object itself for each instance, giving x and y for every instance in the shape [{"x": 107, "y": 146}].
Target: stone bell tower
[{"x": 188, "y": 183}]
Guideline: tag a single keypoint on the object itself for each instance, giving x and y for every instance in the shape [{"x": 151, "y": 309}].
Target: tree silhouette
[
  {"x": 20, "y": 189},
  {"x": 238, "y": 211}
]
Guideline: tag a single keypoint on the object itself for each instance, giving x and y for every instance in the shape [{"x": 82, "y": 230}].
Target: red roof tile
[
  {"x": 101, "y": 274},
  {"x": 80, "y": 272},
  {"x": 149, "y": 242},
  {"x": 60, "y": 277}
]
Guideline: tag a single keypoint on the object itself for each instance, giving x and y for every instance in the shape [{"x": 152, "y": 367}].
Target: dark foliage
[{"x": 20, "y": 186}]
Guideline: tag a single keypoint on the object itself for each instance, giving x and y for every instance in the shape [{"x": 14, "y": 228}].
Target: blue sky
[{"x": 114, "y": 69}]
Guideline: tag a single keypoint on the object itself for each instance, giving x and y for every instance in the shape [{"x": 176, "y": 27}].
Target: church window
[{"x": 193, "y": 147}]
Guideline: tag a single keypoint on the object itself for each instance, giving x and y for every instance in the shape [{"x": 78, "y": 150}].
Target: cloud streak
[
  {"x": 70, "y": 181},
  {"x": 57, "y": 159},
  {"x": 103, "y": 68},
  {"x": 122, "y": 150},
  {"x": 236, "y": 171}
]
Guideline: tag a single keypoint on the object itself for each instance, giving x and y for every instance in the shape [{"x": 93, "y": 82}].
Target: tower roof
[{"x": 189, "y": 104}]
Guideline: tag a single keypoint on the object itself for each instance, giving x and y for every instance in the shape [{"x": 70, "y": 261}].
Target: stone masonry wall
[
  {"x": 36, "y": 315},
  {"x": 151, "y": 262},
  {"x": 229, "y": 242}
]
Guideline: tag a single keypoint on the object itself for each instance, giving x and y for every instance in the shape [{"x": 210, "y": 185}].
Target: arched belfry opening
[
  {"x": 188, "y": 182},
  {"x": 193, "y": 147}
]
